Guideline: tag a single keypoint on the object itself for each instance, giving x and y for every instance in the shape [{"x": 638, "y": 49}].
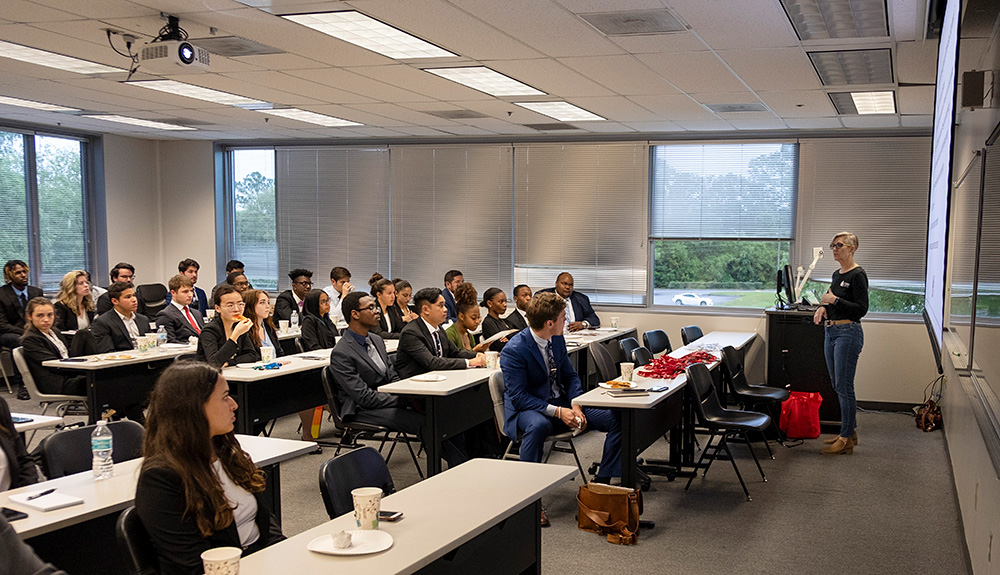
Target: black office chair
[
  {"x": 154, "y": 296},
  {"x": 641, "y": 356},
  {"x": 726, "y": 423},
  {"x": 135, "y": 544},
  {"x": 299, "y": 347},
  {"x": 67, "y": 451},
  {"x": 606, "y": 368},
  {"x": 690, "y": 333},
  {"x": 83, "y": 343},
  {"x": 350, "y": 430},
  {"x": 627, "y": 344},
  {"x": 751, "y": 395},
  {"x": 186, "y": 357},
  {"x": 657, "y": 341},
  {"x": 363, "y": 467}
]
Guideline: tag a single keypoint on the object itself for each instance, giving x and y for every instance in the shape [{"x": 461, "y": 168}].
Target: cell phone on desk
[
  {"x": 74, "y": 359},
  {"x": 21, "y": 419},
  {"x": 390, "y": 515},
  {"x": 627, "y": 392},
  {"x": 13, "y": 514},
  {"x": 659, "y": 388}
]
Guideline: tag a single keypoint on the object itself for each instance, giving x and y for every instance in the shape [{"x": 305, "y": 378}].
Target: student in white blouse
[{"x": 197, "y": 488}]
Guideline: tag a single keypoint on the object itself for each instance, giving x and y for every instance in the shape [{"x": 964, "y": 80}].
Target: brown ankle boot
[
  {"x": 832, "y": 440},
  {"x": 842, "y": 445}
]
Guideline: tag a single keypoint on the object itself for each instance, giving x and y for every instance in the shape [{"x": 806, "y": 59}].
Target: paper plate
[
  {"x": 606, "y": 386},
  {"x": 363, "y": 541},
  {"x": 428, "y": 377}
]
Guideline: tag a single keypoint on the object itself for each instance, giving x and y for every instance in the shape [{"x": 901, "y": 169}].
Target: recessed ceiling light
[
  {"x": 35, "y": 105},
  {"x": 137, "y": 122},
  {"x": 310, "y": 117},
  {"x": 562, "y": 111},
  {"x": 821, "y": 19},
  {"x": 371, "y": 34},
  {"x": 864, "y": 102},
  {"x": 853, "y": 66},
  {"x": 53, "y": 60},
  {"x": 199, "y": 93},
  {"x": 486, "y": 80}
]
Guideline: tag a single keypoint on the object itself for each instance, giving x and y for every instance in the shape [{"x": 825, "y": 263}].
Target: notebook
[{"x": 49, "y": 502}]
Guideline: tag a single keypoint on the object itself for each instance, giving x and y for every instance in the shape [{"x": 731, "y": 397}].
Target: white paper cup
[
  {"x": 210, "y": 313},
  {"x": 492, "y": 359},
  {"x": 614, "y": 321},
  {"x": 367, "y": 502},
  {"x": 222, "y": 561},
  {"x": 627, "y": 368},
  {"x": 283, "y": 325},
  {"x": 267, "y": 354}
]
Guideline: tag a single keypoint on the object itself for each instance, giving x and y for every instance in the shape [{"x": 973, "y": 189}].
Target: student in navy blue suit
[
  {"x": 579, "y": 315},
  {"x": 539, "y": 387},
  {"x": 189, "y": 268},
  {"x": 452, "y": 279}
]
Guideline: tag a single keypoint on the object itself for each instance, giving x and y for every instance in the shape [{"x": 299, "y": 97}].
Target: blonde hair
[
  {"x": 849, "y": 239},
  {"x": 67, "y": 292}
]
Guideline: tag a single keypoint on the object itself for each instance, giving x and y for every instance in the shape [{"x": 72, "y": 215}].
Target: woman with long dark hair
[
  {"x": 197, "y": 488},
  {"x": 226, "y": 339},
  {"x": 318, "y": 332},
  {"x": 404, "y": 291},
  {"x": 257, "y": 309},
  {"x": 390, "y": 320}
]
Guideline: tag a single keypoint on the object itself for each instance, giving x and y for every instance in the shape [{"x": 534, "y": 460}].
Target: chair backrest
[
  {"x": 606, "y": 367},
  {"x": 496, "y": 393},
  {"x": 135, "y": 544},
  {"x": 362, "y": 467},
  {"x": 690, "y": 333},
  {"x": 627, "y": 344},
  {"x": 641, "y": 356},
  {"x": 299, "y": 346},
  {"x": 706, "y": 402},
  {"x": 83, "y": 343},
  {"x": 186, "y": 357},
  {"x": 657, "y": 341},
  {"x": 154, "y": 296},
  {"x": 67, "y": 451},
  {"x": 22, "y": 366},
  {"x": 732, "y": 371},
  {"x": 332, "y": 399}
]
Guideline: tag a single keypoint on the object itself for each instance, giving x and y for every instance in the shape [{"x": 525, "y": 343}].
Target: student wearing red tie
[{"x": 179, "y": 319}]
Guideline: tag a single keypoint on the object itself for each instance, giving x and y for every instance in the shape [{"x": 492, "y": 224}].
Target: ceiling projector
[{"x": 173, "y": 56}]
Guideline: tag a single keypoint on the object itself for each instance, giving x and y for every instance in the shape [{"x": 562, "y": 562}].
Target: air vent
[
  {"x": 552, "y": 127},
  {"x": 634, "y": 22},
  {"x": 730, "y": 108},
  {"x": 842, "y": 67},
  {"x": 457, "y": 114},
  {"x": 234, "y": 46}
]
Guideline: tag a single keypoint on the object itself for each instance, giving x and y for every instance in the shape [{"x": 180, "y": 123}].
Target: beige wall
[{"x": 187, "y": 188}]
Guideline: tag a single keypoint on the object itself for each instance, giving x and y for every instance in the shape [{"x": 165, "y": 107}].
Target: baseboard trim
[{"x": 886, "y": 406}]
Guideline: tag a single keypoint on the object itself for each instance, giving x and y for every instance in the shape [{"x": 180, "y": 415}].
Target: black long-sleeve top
[{"x": 852, "y": 290}]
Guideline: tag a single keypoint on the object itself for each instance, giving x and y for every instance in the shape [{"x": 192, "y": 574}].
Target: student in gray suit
[
  {"x": 179, "y": 319},
  {"x": 117, "y": 329},
  {"x": 359, "y": 364}
]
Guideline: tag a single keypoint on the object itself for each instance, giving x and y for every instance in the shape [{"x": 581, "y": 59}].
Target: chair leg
[
  {"x": 697, "y": 465},
  {"x": 579, "y": 464},
  {"x": 413, "y": 455},
  {"x": 391, "y": 447},
  {"x": 508, "y": 453},
  {"x": 715, "y": 453},
  {"x": 767, "y": 444},
  {"x": 6, "y": 380},
  {"x": 736, "y": 468},
  {"x": 754, "y": 455}
]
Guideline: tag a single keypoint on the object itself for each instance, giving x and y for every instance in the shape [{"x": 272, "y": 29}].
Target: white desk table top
[
  {"x": 737, "y": 339},
  {"x": 117, "y": 492},
  {"x": 297, "y": 363},
  {"x": 37, "y": 422},
  {"x": 456, "y": 380},
  {"x": 99, "y": 361},
  {"x": 440, "y": 514}
]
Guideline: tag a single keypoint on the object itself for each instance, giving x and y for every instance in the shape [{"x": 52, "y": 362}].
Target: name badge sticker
[{"x": 845, "y": 284}]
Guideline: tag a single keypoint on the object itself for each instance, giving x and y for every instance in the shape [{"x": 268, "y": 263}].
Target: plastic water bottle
[
  {"x": 293, "y": 321},
  {"x": 161, "y": 336},
  {"x": 102, "y": 446}
]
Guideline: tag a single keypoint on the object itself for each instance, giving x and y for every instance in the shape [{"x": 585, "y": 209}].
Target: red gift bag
[{"x": 800, "y": 415}]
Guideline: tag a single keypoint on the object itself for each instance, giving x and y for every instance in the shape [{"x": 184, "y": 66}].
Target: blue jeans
[
  {"x": 535, "y": 426},
  {"x": 843, "y": 346}
]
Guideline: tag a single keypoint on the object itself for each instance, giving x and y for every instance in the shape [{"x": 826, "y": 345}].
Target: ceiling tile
[
  {"x": 775, "y": 69},
  {"x": 99, "y": 9},
  {"x": 654, "y": 126},
  {"x": 585, "y": 6},
  {"x": 248, "y": 89},
  {"x": 674, "y": 108},
  {"x": 282, "y": 62},
  {"x": 906, "y": 19},
  {"x": 464, "y": 130},
  {"x": 915, "y": 99},
  {"x": 746, "y": 24},
  {"x": 814, "y": 123},
  {"x": 920, "y": 121},
  {"x": 623, "y": 74},
  {"x": 295, "y": 85},
  {"x": 617, "y": 108},
  {"x": 29, "y": 12},
  {"x": 705, "y": 125},
  {"x": 799, "y": 103},
  {"x": 400, "y": 114},
  {"x": 663, "y": 44},
  {"x": 603, "y": 127},
  {"x": 358, "y": 84},
  {"x": 871, "y": 121},
  {"x": 694, "y": 72},
  {"x": 916, "y": 62},
  {"x": 758, "y": 124},
  {"x": 725, "y": 97},
  {"x": 551, "y": 77},
  {"x": 419, "y": 81}
]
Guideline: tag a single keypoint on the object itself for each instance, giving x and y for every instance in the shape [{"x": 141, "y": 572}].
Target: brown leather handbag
[
  {"x": 928, "y": 415},
  {"x": 610, "y": 510}
]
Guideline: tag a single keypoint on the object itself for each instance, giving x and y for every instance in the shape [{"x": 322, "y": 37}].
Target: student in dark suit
[
  {"x": 579, "y": 313},
  {"x": 180, "y": 320},
  {"x": 231, "y": 266},
  {"x": 20, "y": 467},
  {"x": 197, "y": 488},
  {"x": 122, "y": 272},
  {"x": 359, "y": 364},
  {"x": 540, "y": 384},
  {"x": 199, "y": 302},
  {"x": 118, "y": 329},
  {"x": 404, "y": 292},
  {"x": 226, "y": 340},
  {"x": 452, "y": 279},
  {"x": 318, "y": 332},
  {"x": 518, "y": 318},
  {"x": 14, "y": 296},
  {"x": 42, "y": 342},
  {"x": 423, "y": 345},
  {"x": 495, "y": 302},
  {"x": 390, "y": 320},
  {"x": 75, "y": 308},
  {"x": 293, "y": 299}
]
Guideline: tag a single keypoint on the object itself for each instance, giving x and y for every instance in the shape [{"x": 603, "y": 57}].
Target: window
[
  {"x": 254, "y": 239},
  {"x": 722, "y": 222},
  {"x": 42, "y": 195}
]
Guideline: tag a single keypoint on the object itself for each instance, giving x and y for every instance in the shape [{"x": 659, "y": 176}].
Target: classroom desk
[
  {"x": 120, "y": 382},
  {"x": 81, "y": 539},
  {"x": 480, "y": 517},
  {"x": 577, "y": 344},
  {"x": 37, "y": 422},
  {"x": 452, "y": 406}
]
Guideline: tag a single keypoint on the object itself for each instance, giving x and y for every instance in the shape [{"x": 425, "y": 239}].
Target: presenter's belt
[{"x": 830, "y": 322}]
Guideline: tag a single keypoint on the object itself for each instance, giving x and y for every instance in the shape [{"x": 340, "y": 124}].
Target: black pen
[{"x": 42, "y": 494}]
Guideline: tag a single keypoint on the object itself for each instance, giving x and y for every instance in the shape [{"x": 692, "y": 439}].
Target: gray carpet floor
[{"x": 888, "y": 508}]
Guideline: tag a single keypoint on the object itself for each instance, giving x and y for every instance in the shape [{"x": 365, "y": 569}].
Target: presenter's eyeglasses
[{"x": 837, "y": 246}]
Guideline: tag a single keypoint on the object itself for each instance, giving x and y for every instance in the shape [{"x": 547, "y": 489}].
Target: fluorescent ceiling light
[
  {"x": 486, "y": 80},
  {"x": 853, "y": 66},
  {"x": 562, "y": 111},
  {"x": 821, "y": 19},
  {"x": 371, "y": 34},
  {"x": 874, "y": 102},
  {"x": 310, "y": 117},
  {"x": 53, "y": 60},
  {"x": 137, "y": 122},
  {"x": 199, "y": 93},
  {"x": 35, "y": 105}
]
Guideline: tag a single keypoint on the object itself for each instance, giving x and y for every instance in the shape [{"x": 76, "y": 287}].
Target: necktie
[
  {"x": 553, "y": 372},
  {"x": 194, "y": 324},
  {"x": 437, "y": 344},
  {"x": 374, "y": 355},
  {"x": 23, "y": 299}
]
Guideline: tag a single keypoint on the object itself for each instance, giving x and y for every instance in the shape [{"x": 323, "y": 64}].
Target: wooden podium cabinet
[{"x": 796, "y": 361}]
